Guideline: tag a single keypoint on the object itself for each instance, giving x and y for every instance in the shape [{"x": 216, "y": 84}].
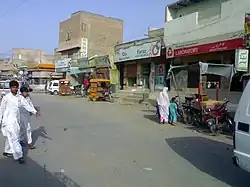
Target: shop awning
[
  {"x": 76, "y": 70},
  {"x": 41, "y": 66},
  {"x": 224, "y": 70},
  {"x": 69, "y": 47}
]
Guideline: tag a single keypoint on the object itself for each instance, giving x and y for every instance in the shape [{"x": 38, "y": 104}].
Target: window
[
  {"x": 83, "y": 27},
  {"x": 68, "y": 36},
  {"x": 55, "y": 84}
]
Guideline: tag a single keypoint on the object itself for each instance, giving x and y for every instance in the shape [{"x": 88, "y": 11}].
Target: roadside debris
[{"x": 147, "y": 169}]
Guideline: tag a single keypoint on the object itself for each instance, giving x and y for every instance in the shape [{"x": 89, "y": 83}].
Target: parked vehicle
[
  {"x": 100, "y": 90},
  {"x": 219, "y": 118},
  {"x": 57, "y": 86},
  {"x": 65, "y": 87},
  {"x": 54, "y": 87},
  {"x": 241, "y": 136}
]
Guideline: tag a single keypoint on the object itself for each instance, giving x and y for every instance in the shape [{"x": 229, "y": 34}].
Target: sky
[{"x": 35, "y": 23}]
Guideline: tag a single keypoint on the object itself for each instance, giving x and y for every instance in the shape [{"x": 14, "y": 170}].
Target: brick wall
[{"x": 102, "y": 32}]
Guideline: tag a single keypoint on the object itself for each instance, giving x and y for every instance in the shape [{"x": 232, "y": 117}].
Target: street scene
[
  {"x": 104, "y": 144},
  {"x": 116, "y": 95}
]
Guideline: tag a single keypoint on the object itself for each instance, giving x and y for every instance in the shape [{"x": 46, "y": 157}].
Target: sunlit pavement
[{"x": 108, "y": 145}]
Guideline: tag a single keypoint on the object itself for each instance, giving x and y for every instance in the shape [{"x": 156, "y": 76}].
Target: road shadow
[
  {"x": 30, "y": 174},
  {"x": 151, "y": 117},
  {"x": 211, "y": 157},
  {"x": 39, "y": 132}
]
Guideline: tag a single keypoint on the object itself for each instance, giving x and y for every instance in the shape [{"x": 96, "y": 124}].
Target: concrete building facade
[
  {"x": 211, "y": 31},
  {"x": 142, "y": 63},
  {"x": 31, "y": 57},
  {"x": 40, "y": 66}
]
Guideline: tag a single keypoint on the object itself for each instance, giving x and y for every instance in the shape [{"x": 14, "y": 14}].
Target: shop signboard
[
  {"x": 205, "y": 48},
  {"x": 62, "y": 65},
  {"x": 146, "y": 50},
  {"x": 247, "y": 30},
  {"x": 102, "y": 61},
  {"x": 83, "y": 63},
  {"x": 241, "y": 59},
  {"x": 77, "y": 70}
]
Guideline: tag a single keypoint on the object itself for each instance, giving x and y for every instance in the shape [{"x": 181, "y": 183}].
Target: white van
[
  {"x": 241, "y": 139},
  {"x": 54, "y": 87}
]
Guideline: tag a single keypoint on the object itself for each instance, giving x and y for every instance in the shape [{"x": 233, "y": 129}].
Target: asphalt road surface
[{"x": 80, "y": 143}]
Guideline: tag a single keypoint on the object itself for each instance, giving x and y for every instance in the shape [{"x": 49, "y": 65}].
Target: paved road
[{"x": 105, "y": 145}]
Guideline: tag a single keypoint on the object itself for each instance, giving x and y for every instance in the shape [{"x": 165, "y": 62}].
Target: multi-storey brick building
[
  {"x": 90, "y": 34},
  {"x": 84, "y": 35}
]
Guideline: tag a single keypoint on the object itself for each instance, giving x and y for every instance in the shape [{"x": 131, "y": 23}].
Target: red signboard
[{"x": 207, "y": 48}]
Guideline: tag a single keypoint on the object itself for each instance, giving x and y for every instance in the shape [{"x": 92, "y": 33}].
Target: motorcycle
[
  {"x": 108, "y": 96},
  {"x": 218, "y": 119}
]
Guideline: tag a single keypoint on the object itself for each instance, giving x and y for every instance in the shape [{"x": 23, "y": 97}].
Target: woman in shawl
[{"x": 163, "y": 105}]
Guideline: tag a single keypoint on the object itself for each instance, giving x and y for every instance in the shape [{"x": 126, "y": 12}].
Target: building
[
  {"x": 141, "y": 62},
  {"x": 26, "y": 57},
  {"x": 211, "y": 31},
  {"x": 40, "y": 66},
  {"x": 7, "y": 70},
  {"x": 89, "y": 35}
]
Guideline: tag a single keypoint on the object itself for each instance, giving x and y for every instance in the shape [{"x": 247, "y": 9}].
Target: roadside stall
[
  {"x": 200, "y": 109},
  {"x": 203, "y": 69},
  {"x": 100, "y": 90}
]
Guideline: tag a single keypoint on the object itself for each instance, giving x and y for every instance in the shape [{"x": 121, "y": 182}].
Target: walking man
[
  {"x": 25, "y": 118},
  {"x": 10, "y": 121}
]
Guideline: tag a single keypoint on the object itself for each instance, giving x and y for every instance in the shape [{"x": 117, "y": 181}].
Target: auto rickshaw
[
  {"x": 99, "y": 90},
  {"x": 65, "y": 87}
]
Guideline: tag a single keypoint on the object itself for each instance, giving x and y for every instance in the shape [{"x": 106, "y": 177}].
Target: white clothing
[
  {"x": 25, "y": 121},
  {"x": 163, "y": 98},
  {"x": 163, "y": 104},
  {"x": 10, "y": 121}
]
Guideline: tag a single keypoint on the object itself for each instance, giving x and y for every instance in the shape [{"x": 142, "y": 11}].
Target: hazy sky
[{"x": 35, "y": 23}]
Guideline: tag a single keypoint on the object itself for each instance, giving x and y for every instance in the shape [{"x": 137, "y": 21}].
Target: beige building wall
[{"x": 102, "y": 33}]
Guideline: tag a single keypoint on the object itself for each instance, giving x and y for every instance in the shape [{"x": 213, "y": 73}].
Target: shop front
[
  {"x": 102, "y": 67},
  {"x": 86, "y": 66},
  {"x": 135, "y": 60},
  {"x": 217, "y": 50},
  {"x": 63, "y": 66}
]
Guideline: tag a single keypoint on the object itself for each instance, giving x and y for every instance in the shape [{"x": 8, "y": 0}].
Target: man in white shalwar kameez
[
  {"x": 25, "y": 118},
  {"x": 10, "y": 121}
]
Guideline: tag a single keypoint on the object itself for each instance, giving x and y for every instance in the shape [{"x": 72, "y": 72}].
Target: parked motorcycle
[
  {"x": 218, "y": 119},
  {"x": 108, "y": 96}
]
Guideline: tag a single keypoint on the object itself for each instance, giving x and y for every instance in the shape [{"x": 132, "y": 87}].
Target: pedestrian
[
  {"x": 163, "y": 105},
  {"x": 10, "y": 121},
  {"x": 173, "y": 111},
  {"x": 25, "y": 129},
  {"x": 46, "y": 87}
]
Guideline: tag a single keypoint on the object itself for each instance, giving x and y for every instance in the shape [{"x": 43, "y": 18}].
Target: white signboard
[
  {"x": 241, "y": 59},
  {"x": 84, "y": 47},
  {"x": 146, "y": 50}
]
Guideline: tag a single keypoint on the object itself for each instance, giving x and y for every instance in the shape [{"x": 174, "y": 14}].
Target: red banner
[{"x": 207, "y": 48}]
